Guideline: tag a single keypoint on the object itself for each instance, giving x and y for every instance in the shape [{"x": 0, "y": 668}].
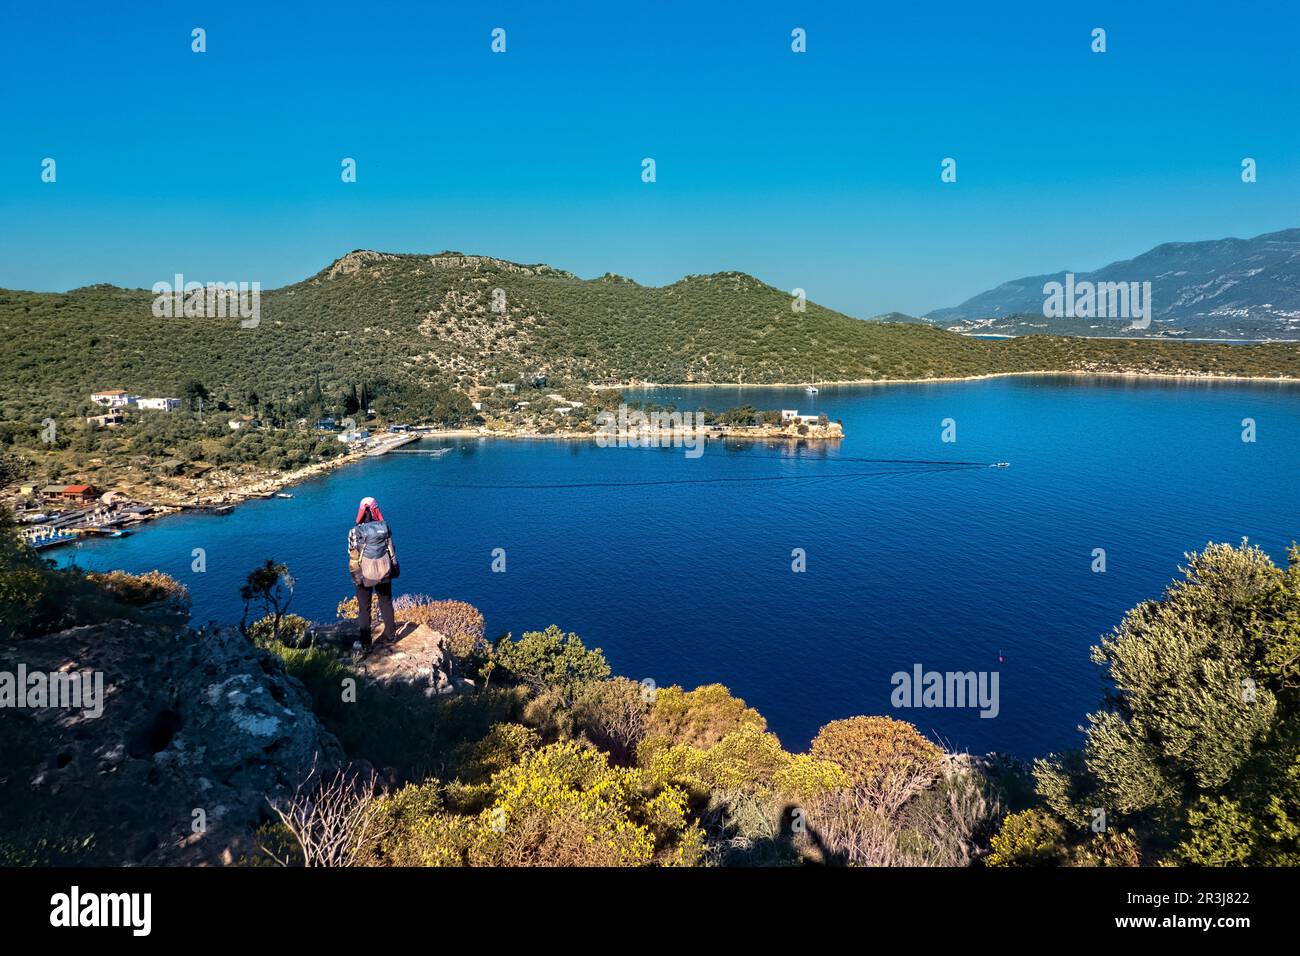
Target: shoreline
[
  {"x": 269, "y": 487},
  {"x": 265, "y": 488},
  {"x": 1079, "y": 373}
]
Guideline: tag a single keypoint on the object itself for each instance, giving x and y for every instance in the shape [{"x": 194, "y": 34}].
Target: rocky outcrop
[
  {"x": 420, "y": 656},
  {"x": 355, "y": 261},
  {"x": 801, "y": 431},
  {"x": 198, "y": 730}
]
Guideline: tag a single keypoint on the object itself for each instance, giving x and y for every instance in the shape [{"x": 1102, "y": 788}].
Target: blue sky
[{"x": 819, "y": 170}]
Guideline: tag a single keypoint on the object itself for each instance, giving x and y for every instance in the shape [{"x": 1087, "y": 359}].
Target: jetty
[{"x": 382, "y": 446}]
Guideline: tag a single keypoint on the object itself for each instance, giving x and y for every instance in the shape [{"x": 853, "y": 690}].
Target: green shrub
[
  {"x": 139, "y": 590},
  {"x": 292, "y": 631},
  {"x": 550, "y": 659}
]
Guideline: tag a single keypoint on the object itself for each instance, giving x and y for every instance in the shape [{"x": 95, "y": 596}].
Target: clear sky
[{"x": 818, "y": 170}]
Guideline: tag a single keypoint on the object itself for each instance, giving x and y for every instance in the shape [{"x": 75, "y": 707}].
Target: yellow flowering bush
[
  {"x": 701, "y": 717},
  {"x": 503, "y": 747},
  {"x": 292, "y": 629},
  {"x": 881, "y": 755},
  {"x": 805, "y": 777},
  {"x": 560, "y": 805},
  {"x": 1028, "y": 838}
]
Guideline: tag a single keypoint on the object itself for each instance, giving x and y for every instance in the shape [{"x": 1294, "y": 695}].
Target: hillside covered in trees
[{"x": 408, "y": 323}]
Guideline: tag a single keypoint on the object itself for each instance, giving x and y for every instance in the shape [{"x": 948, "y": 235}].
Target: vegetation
[
  {"x": 37, "y": 598},
  {"x": 412, "y": 338},
  {"x": 461, "y": 623},
  {"x": 407, "y": 330},
  {"x": 556, "y": 763},
  {"x": 1195, "y": 758}
]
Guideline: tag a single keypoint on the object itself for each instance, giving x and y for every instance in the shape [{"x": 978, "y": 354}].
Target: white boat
[
  {"x": 281, "y": 494},
  {"x": 810, "y": 389}
]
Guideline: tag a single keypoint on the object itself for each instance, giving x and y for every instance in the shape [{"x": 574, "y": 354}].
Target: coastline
[
  {"x": 1080, "y": 373},
  {"x": 231, "y": 496},
  {"x": 266, "y": 487}
]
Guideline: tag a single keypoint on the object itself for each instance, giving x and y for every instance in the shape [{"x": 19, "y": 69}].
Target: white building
[
  {"x": 114, "y": 398},
  {"x": 160, "y": 404},
  {"x": 792, "y": 415}
]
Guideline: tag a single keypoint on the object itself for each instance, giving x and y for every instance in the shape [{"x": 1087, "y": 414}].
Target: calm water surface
[{"x": 975, "y": 569}]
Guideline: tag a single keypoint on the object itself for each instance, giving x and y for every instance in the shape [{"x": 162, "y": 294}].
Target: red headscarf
[{"x": 369, "y": 511}]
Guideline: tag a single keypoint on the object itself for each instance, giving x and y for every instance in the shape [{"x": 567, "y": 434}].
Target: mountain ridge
[
  {"x": 1228, "y": 288},
  {"x": 410, "y": 324}
]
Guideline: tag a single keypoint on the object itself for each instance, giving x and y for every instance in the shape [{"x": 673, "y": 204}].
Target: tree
[
  {"x": 1197, "y": 748},
  {"x": 27, "y": 586},
  {"x": 612, "y": 715},
  {"x": 269, "y": 588},
  {"x": 13, "y": 468},
  {"x": 195, "y": 395}
]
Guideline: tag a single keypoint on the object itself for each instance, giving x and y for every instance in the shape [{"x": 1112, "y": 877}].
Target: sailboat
[{"x": 810, "y": 388}]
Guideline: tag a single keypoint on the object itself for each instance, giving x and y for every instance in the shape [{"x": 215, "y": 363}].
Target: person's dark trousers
[{"x": 385, "y": 592}]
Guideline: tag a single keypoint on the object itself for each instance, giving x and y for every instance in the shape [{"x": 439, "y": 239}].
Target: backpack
[{"x": 378, "y": 562}]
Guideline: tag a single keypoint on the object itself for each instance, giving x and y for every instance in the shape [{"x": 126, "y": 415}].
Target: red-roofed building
[{"x": 79, "y": 493}]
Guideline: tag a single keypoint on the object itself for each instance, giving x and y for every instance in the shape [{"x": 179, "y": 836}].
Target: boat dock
[
  {"x": 50, "y": 537},
  {"x": 384, "y": 445}
]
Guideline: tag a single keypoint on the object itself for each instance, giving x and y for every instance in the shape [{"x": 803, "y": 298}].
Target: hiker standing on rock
[{"x": 373, "y": 564}]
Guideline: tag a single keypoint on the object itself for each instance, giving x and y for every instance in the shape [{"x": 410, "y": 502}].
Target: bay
[{"x": 683, "y": 574}]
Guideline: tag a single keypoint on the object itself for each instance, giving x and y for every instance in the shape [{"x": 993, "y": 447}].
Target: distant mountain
[{"x": 1222, "y": 288}]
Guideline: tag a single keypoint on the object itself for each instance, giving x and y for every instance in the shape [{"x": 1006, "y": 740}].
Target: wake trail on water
[{"x": 914, "y": 466}]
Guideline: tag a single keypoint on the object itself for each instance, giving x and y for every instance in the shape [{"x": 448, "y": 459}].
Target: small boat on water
[
  {"x": 281, "y": 494},
  {"x": 105, "y": 532}
]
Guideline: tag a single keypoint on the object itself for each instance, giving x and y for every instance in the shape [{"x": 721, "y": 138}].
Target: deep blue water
[{"x": 692, "y": 583}]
